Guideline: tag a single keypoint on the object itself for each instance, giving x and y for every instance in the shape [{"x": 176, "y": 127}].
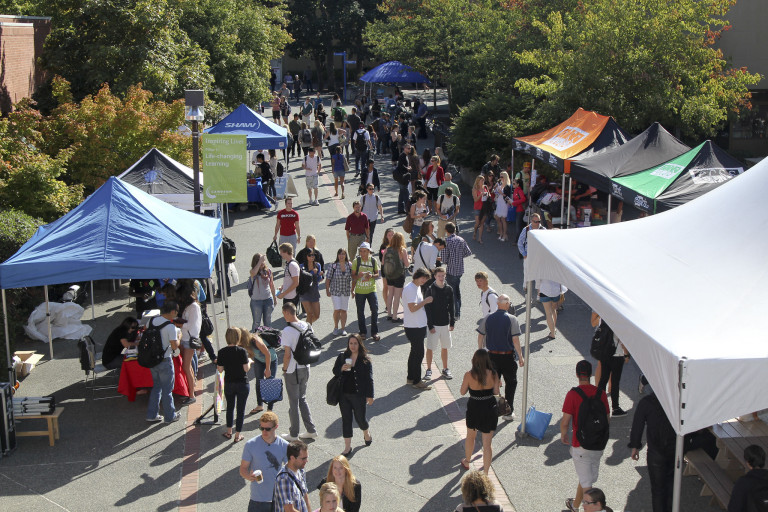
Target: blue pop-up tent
[
  {"x": 119, "y": 232},
  {"x": 260, "y": 132},
  {"x": 393, "y": 71}
]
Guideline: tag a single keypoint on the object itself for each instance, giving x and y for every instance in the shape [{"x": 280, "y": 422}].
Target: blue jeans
[
  {"x": 455, "y": 282},
  {"x": 236, "y": 394},
  {"x": 259, "y": 368},
  {"x": 373, "y": 303},
  {"x": 162, "y": 377},
  {"x": 360, "y": 155},
  {"x": 261, "y": 310}
]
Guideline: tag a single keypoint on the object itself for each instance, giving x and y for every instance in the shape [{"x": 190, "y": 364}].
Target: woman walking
[
  {"x": 340, "y": 475},
  {"x": 503, "y": 192},
  {"x": 261, "y": 288},
  {"x": 233, "y": 361},
  {"x": 310, "y": 301},
  {"x": 338, "y": 286},
  {"x": 190, "y": 335},
  {"x": 518, "y": 204},
  {"x": 419, "y": 212},
  {"x": 318, "y": 134},
  {"x": 434, "y": 176},
  {"x": 339, "y": 165},
  {"x": 310, "y": 245},
  {"x": 388, "y": 234},
  {"x": 264, "y": 363},
  {"x": 480, "y": 194},
  {"x": 395, "y": 286},
  {"x": 482, "y": 383},
  {"x": 549, "y": 295},
  {"x": 354, "y": 369}
]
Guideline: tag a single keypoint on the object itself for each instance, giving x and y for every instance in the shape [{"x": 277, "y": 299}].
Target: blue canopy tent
[
  {"x": 119, "y": 232},
  {"x": 260, "y": 132},
  {"x": 393, "y": 72}
]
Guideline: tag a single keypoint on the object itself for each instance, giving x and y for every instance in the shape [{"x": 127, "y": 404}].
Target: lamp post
[{"x": 193, "y": 111}]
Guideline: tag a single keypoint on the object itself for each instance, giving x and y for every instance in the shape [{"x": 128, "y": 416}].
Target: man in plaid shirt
[
  {"x": 452, "y": 256},
  {"x": 291, "y": 483}
]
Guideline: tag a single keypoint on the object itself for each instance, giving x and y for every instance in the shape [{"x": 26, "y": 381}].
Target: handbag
[
  {"x": 271, "y": 389},
  {"x": 206, "y": 327},
  {"x": 511, "y": 214},
  {"x": 346, "y": 164},
  {"x": 536, "y": 422},
  {"x": 333, "y": 391},
  {"x": 408, "y": 224},
  {"x": 195, "y": 343},
  {"x": 273, "y": 255},
  {"x": 503, "y": 407}
]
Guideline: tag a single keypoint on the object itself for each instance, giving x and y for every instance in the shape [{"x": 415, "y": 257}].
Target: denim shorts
[{"x": 545, "y": 298}]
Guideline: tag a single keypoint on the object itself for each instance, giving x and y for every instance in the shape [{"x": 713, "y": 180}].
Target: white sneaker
[
  {"x": 289, "y": 437},
  {"x": 308, "y": 435},
  {"x": 427, "y": 375},
  {"x": 509, "y": 417},
  {"x": 336, "y": 332}
]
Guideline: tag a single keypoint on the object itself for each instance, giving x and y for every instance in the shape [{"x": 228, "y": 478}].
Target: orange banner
[{"x": 570, "y": 137}]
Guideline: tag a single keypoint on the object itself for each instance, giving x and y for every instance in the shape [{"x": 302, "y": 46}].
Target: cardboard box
[{"x": 29, "y": 358}]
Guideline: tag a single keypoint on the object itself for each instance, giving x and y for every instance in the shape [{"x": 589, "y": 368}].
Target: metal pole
[
  {"x": 512, "y": 163},
  {"x": 678, "y": 474},
  {"x": 215, "y": 323},
  {"x": 609, "y": 208},
  {"x": 527, "y": 355},
  {"x": 223, "y": 283},
  {"x": 48, "y": 319},
  {"x": 344, "y": 62},
  {"x": 568, "y": 217},
  {"x": 93, "y": 307},
  {"x": 562, "y": 204},
  {"x": 7, "y": 340},
  {"x": 196, "y": 164}
]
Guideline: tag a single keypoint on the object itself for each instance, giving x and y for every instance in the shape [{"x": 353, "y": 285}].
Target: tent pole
[
  {"x": 512, "y": 162},
  {"x": 562, "y": 204},
  {"x": 609, "y": 208},
  {"x": 215, "y": 323},
  {"x": 223, "y": 283},
  {"x": 93, "y": 308},
  {"x": 524, "y": 411},
  {"x": 678, "y": 481},
  {"x": 7, "y": 340},
  {"x": 48, "y": 320},
  {"x": 568, "y": 216}
]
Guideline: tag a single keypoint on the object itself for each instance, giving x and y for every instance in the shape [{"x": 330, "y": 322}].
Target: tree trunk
[{"x": 330, "y": 69}]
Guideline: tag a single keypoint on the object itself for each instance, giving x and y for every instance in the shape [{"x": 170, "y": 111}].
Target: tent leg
[
  {"x": 609, "y": 208},
  {"x": 7, "y": 340},
  {"x": 562, "y": 204},
  {"x": 568, "y": 216},
  {"x": 524, "y": 410},
  {"x": 512, "y": 162},
  {"x": 93, "y": 307},
  {"x": 215, "y": 323},
  {"x": 48, "y": 320},
  {"x": 223, "y": 284},
  {"x": 678, "y": 481}
]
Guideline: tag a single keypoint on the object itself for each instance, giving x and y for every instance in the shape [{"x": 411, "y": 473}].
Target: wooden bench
[
  {"x": 53, "y": 425},
  {"x": 717, "y": 482}
]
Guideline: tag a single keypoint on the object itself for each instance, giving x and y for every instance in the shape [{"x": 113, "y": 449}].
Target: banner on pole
[{"x": 225, "y": 168}]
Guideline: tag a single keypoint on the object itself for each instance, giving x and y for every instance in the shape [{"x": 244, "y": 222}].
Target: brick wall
[{"x": 21, "y": 44}]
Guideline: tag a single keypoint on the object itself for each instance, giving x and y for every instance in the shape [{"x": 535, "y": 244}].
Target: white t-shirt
[
  {"x": 333, "y": 139},
  {"x": 371, "y": 205},
  {"x": 292, "y": 271},
  {"x": 167, "y": 333},
  {"x": 313, "y": 164},
  {"x": 425, "y": 256},
  {"x": 489, "y": 302},
  {"x": 550, "y": 288},
  {"x": 289, "y": 339},
  {"x": 447, "y": 205},
  {"x": 194, "y": 317},
  {"x": 412, "y": 295}
]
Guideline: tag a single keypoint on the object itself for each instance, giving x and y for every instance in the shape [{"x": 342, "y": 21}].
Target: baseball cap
[
  {"x": 365, "y": 245},
  {"x": 584, "y": 368}
]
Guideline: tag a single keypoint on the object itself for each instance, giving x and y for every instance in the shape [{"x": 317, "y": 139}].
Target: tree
[
  {"x": 107, "y": 134},
  {"x": 31, "y": 181},
  {"x": 640, "y": 61}
]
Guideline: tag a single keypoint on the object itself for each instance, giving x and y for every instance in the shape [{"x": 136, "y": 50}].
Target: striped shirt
[{"x": 456, "y": 249}]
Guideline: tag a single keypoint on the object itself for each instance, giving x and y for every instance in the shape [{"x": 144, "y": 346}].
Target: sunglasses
[
  {"x": 266, "y": 429},
  {"x": 590, "y": 502}
]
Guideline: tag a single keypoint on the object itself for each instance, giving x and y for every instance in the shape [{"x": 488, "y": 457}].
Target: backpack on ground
[
  {"x": 150, "y": 348},
  {"x": 230, "y": 251},
  {"x": 592, "y": 431},
  {"x": 602, "y": 346},
  {"x": 307, "y": 349},
  {"x": 757, "y": 497},
  {"x": 306, "y": 136},
  {"x": 305, "y": 280},
  {"x": 360, "y": 143},
  {"x": 392, "y": 265}
]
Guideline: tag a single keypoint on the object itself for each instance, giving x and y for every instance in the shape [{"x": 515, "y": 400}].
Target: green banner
[
  {"x": 652, "y": 182},
  {"x": 225, "y": 168}
]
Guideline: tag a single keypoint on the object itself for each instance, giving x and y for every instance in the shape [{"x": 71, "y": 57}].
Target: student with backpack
[
  {"x": 296, "y": 376},
  {"x": 261, "y": 290},
  {"x": 362, "y": 140},
  {"x": 393, "y": 265},
  {"x": 365, "y": 271},
  {"x": 305, "y": 138},
  {"x": 156, "y": 348},
  {"x": 586, "y": 409},
  {"x": 750, "y": 493}
]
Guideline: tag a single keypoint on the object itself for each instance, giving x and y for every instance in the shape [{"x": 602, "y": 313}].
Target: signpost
[{"x": 225, "y": 167}]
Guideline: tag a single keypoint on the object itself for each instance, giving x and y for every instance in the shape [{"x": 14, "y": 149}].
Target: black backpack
[
  {"x": 305, "y": 280},
  {"x": 592, "y": 431},
  {"x": 306, "y": 136},
  {"x": 360, "y": 143},
  {"x": 230, "y": 251},
  {"x": 150, "y": 349},
  {"x": 307, "y": 349},
  {"x": 269, "y": 335},
  {"x": 757, "y": 496},
  {"x": 602, "y": 346}
]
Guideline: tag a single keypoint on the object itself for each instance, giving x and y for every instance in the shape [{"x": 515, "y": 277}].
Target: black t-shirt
[
  {"x": 113, "y": 347},
  {"x": 266, "y": 171},
  {"x": 232, "y": 358}
]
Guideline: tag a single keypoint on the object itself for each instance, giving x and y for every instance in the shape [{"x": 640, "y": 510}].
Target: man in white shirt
[
  {"x": 415, "y": 324},
  {"x": 162, "y": 372},
  {"x": 425, "y": 255},
  {"x": 372, "y": 208},
  {"x": 447, "y": 206},
  {"x": 312, "y": 167},
  {"x": 287, "y": 291},
  {"x": 362, "y": 144},
  {"x": 488, "y": 305},
  {"x": 296, "y": 377}
]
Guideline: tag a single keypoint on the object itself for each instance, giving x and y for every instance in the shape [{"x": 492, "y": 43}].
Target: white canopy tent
[{"x": 685, "y": 292}]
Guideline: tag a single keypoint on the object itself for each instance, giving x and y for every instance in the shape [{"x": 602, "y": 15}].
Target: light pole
[{"x": 193, "y": 111}]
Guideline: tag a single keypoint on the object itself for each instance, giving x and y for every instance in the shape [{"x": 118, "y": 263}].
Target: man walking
[
  {"x": 162, "y": 372},
  {"x": 312, "y": 167},
  {"x": 452, "y": 256},
  {"x": 362, "y": 142},
  {"x": 291, "y": 494},
  {"x": 287, "y": 225},
  {"x": 503, "y": 343},
  {"x": 296, "y": 376},
  {"x": 287, "y": 291},
  {"x": 522, "y": 240},
  {"x": 371, "y": 207},
  {"x": 265, "y": 453},
  {"x": 403, "y": 177},
  {"x": 586, "y": 460},
  {"x": 449, "y": 184},
  {"x": 365, "y": 271},
  {"x": 448, "y": 206},
  {"x": 294, "y": 127},
  {"x": 440, "y": 321},
  {"x": 357, "y": 229},
  {"x": 488, "y": 304},
  {"x": 415, "y": 324}
]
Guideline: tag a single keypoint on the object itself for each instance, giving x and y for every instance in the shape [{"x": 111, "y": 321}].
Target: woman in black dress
[
  {"x": 233, "y": 361},
  {"x": 482, "y": 382}
]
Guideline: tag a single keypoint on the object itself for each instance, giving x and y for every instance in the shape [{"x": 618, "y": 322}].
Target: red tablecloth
[{"x": 134, "y": 376}]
